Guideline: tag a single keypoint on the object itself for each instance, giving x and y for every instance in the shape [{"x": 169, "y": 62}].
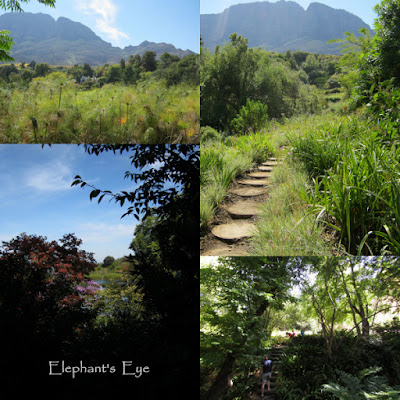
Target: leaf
[{"x": 94, "y": 193}]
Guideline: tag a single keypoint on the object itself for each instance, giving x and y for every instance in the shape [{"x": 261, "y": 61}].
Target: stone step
[
  {"x": 265, "y": 168},
  {"x": 261, "y": 174},
  {"x": 270, "y": 163},
  {"x": 234, "y": 230},
  {"x": 254, "y": 182},
  {"x": 224, "y": 251},
  {"x": 248, "y": 192},
  {"x": 243, "y": 209}
]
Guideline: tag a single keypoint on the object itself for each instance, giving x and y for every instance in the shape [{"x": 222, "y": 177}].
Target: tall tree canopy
[{"x": 236, "y": 296}]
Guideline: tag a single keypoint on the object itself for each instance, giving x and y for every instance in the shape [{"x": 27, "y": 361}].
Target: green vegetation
[
  {"x": 347, "y": 308},
  {"x": 139, "y": 101},
  {"x": 113, "y": 271},
  {"x": 334, "y": 119}
]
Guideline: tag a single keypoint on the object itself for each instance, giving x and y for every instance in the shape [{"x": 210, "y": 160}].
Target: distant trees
[
  {"x": 42, "y": 69},
  {"x": 172, "y": 69},
  {"x": 108, "y": 261},
  {"x": 149, "y": 61},
  {"x": 7, "y": 70},
  {"x": 113, "y": 74}
]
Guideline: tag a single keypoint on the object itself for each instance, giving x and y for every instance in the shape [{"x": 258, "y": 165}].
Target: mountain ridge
[
  {"x": 42, "y": 38},
  {"x": 281, "y": 26}
]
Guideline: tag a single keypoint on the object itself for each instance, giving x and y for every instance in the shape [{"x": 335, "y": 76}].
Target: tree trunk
[
  {"x": 220, "y": 385},
  {"x": 225, "y": 374}
]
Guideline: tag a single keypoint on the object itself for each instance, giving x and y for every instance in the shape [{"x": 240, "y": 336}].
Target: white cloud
[
  {"x": 50, "y": 178},
  {"x": 100, "y": 232},
  {"x": 105, "y": 12},
  {"x": 103, "y": 239}
]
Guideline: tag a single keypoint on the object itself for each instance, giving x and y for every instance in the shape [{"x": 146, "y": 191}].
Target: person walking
[{"x": 266, "y": 371}]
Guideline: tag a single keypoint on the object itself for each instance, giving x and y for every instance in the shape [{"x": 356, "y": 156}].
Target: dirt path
[{"x": 234, "y": 222}]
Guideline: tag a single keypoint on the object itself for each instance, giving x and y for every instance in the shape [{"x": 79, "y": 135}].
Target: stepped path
[
  {"x": 275, "y": 355},
  {"x": 234, "y": 222}
]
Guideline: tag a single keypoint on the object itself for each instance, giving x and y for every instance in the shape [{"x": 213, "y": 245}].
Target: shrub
[
  {"x": 251, "y": 117},
  {"x": 209, "y": 134}
]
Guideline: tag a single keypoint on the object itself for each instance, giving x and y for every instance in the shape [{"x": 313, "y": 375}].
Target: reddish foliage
[{"x": 41, "y": 270}]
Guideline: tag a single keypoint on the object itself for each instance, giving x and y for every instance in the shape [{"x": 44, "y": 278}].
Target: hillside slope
[
  {"x": 41, "y": 38},
  {"x": 280, "y": 26}
]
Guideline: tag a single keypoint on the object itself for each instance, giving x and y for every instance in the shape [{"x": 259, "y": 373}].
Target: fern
[{"x": 367, "y": 385}]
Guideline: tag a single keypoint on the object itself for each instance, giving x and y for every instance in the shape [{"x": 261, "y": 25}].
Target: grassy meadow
[
  {"x": 124, "y": 103},
  {"x": 53, "y": 109}
]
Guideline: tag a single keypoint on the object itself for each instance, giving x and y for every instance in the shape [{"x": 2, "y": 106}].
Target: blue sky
[
  {"x": 37, "y": 197},
  {"x": 361, "y": 8},
  {"x": 130, "y": 22}
]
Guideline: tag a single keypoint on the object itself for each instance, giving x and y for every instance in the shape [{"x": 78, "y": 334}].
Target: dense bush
[
  {"x": 235, "y": 73},
  {"x": 251, "y": 117},
  {"x": 306, "y": 367}
]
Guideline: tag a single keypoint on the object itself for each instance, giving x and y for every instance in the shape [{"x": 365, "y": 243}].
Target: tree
[
  {"x": 41, "y": 298},
  {"x": 168, "y": 59},
  {"x": 325, "y": 295},
  {"x": 227, "y": 81},
  {"x": 164, "y": 266},
  {"x": 122, "y": 64},
  {"x": 235, "y": 297},
  {"x": 355, "y": 49},
  {"x": 135, "y": 60},
  {"x": 113, "y": 74},
  {"x": 88, "y": 70},
  {"x": 388, "y": 40},
  {"x": 149, "y": 61},
  {"x": 6, "y": 42},
  {"x": 32, "y": 65},
  {"x": 108, "y": 261},
  {"x": 7, "y": 70},
  {"x": 131, "y": 73},
  {"x": 169, "y": 193},
  {"x": 42, "y": 69}
]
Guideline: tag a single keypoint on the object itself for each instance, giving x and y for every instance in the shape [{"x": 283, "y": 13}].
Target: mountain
[
  {"x": 281, "y": 26},
  {"x": 41, "y": 38}
]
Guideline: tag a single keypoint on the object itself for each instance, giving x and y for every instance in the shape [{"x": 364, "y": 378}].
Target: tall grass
[
  {"x": 285, "y": 226},
  {"x": 356, "y": 177},
  {"x": 360, "y": 198},
  {"x": 150, "y": 112}
]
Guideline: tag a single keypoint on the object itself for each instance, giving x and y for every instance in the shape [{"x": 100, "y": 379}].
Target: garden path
[
  {"x": 234, "y": 222},
  {"x": 275, "y": 354}
]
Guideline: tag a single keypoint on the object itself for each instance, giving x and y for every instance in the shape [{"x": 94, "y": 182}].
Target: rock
[
  {"x": 254, "y": 182},
  {"x": 243, "y": 209},
  {"x": 248, "y": 192},
  {"x": 234, "y": 230},
  {"x": 259, "y": 174}
]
